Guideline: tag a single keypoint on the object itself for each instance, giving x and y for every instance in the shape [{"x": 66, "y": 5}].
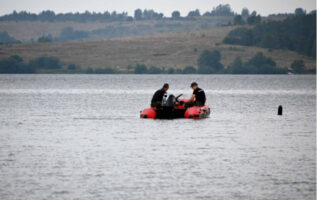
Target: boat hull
[{"x": 178, "y": 111}]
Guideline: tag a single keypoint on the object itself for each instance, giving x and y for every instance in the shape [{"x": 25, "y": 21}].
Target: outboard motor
[
  {"x": 170, "y": 101},
  {"x": 166, "y": 112}
]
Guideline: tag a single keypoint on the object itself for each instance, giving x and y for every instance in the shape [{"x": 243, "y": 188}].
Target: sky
[{"x": 263, "y": 7}]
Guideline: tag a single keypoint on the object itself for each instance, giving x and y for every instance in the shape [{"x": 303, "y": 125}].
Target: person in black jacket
[
  {"x": 198, "y": 98},
  {"x": 158, "y": 96}
]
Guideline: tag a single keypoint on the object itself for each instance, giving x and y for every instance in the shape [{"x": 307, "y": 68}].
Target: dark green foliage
[
  {"x": 5, "y": 38},
  {"x": 209, "y": 57},
  {"x": 209, "y": 62},
  {"x": 296, "y": 33},
  {"x": 147, "y": 15},
  {"x": 72, "y": 67},
  {"x": 194, "y": 13},
  {"x": 189, "y": 70},
  {"x": 298, "y": 66},
  {"x": 68, "y": 33},
  {"x": 236, "y": 67},
  {"x": 129, "y": 19},
  {"x": 89, "y": 70},
  {"x": 176, "y": 14},
  {"x": 313, "y": 12},
  {"x": 281, "y": 15},
  {"x": 259, "y": 64},
  {"x": 300, "y": 11},
  {"x": 152, "y": 15},
  {"x": 245, "y": 12},
  {"x": 269, "y": 41},
  {"x": 171, "y": 71},
  {"x": 242, "y": 36},
  {"x": 45, "y": 38},
  {"x": 238, "y": 20},
  {"x": 50, "y": 16},
  {"x": 103, "y": 71},
  {"x": 138, "y": 14},
  {"x": 220, "y": 10},
  {"x": 140, "y": 69},
  {"x": 106, "y": 16},
  {"x": 254, "y": 19},
  {"x": 45, "y": 63},
  {"x": 154, "y": 70},
  {"x": 13, "y": 65}
]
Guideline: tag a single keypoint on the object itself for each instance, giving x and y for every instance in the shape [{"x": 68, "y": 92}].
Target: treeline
[
  {"x": 143, "y": 69},
  {"x": 45, "y": 64},
  {"x": 50, "y": 16},
  {"x": 5, "y": 38},
  {"x": 295, "y": 33},
  {"x": 147, "y": 14},
  {"x": 209, "y": 62},
  {"x": 15, "y": 65},
  {"x": 245, "y": 18}
]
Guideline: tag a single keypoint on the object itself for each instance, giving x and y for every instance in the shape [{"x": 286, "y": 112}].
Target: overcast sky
[{"x": 263, "y": 7}]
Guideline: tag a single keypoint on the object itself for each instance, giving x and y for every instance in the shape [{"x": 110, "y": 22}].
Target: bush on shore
[{"x": 209, "y": 62}]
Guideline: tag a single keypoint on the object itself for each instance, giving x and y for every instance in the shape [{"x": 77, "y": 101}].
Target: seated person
[
  {"x": 158, "y": 96},
  {"x": 198, "y": 98}
]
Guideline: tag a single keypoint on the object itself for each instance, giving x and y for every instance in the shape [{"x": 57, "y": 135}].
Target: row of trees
[
  {"x": 296, "y": 33},
  {"x": 259, "y": 64},
  {"x": 251, "y": 20},
  {"x": 221, "y": 10},
  {"x": 209, "y": 62},
  {"x": 143, "y": 69},
  {"x": 50, "y": 16},
  {"x": 298, "y": 11},
  {"x": 147, "y": 14},
  {"x": 15, "y": 65}
]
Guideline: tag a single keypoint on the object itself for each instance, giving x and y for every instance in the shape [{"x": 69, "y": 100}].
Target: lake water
[{"x": 80, "y": 137}]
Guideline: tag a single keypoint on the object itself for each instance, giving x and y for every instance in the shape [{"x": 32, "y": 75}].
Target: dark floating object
[{"x": 280, "y": 110}]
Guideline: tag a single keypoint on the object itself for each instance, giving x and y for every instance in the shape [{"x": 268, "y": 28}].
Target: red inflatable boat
[{"x": 175, "y": 108}]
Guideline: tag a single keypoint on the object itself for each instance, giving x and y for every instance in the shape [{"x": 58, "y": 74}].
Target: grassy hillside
[
  {"x": 28, "y": 30},
  {"x": 165, "y": 50}
]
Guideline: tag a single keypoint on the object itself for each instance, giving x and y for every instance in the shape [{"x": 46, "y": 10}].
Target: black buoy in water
[{"x": 280, "y": 110}]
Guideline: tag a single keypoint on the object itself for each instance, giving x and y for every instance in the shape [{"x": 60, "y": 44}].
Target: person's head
[
  {"x": 194, "y": 85},
  {"x": 165, "y": 87}
]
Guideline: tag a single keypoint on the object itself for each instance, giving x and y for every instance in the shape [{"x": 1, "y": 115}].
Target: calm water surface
[{"x": 80, "y": 137}]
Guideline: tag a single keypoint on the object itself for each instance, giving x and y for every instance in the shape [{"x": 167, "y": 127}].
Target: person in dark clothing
[
  {"x": 158, "y": 96},
  {"x": 198, "y": 98}
]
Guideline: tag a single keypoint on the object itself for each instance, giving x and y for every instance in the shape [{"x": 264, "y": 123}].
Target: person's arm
[{"x": 192, "y": 98}]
